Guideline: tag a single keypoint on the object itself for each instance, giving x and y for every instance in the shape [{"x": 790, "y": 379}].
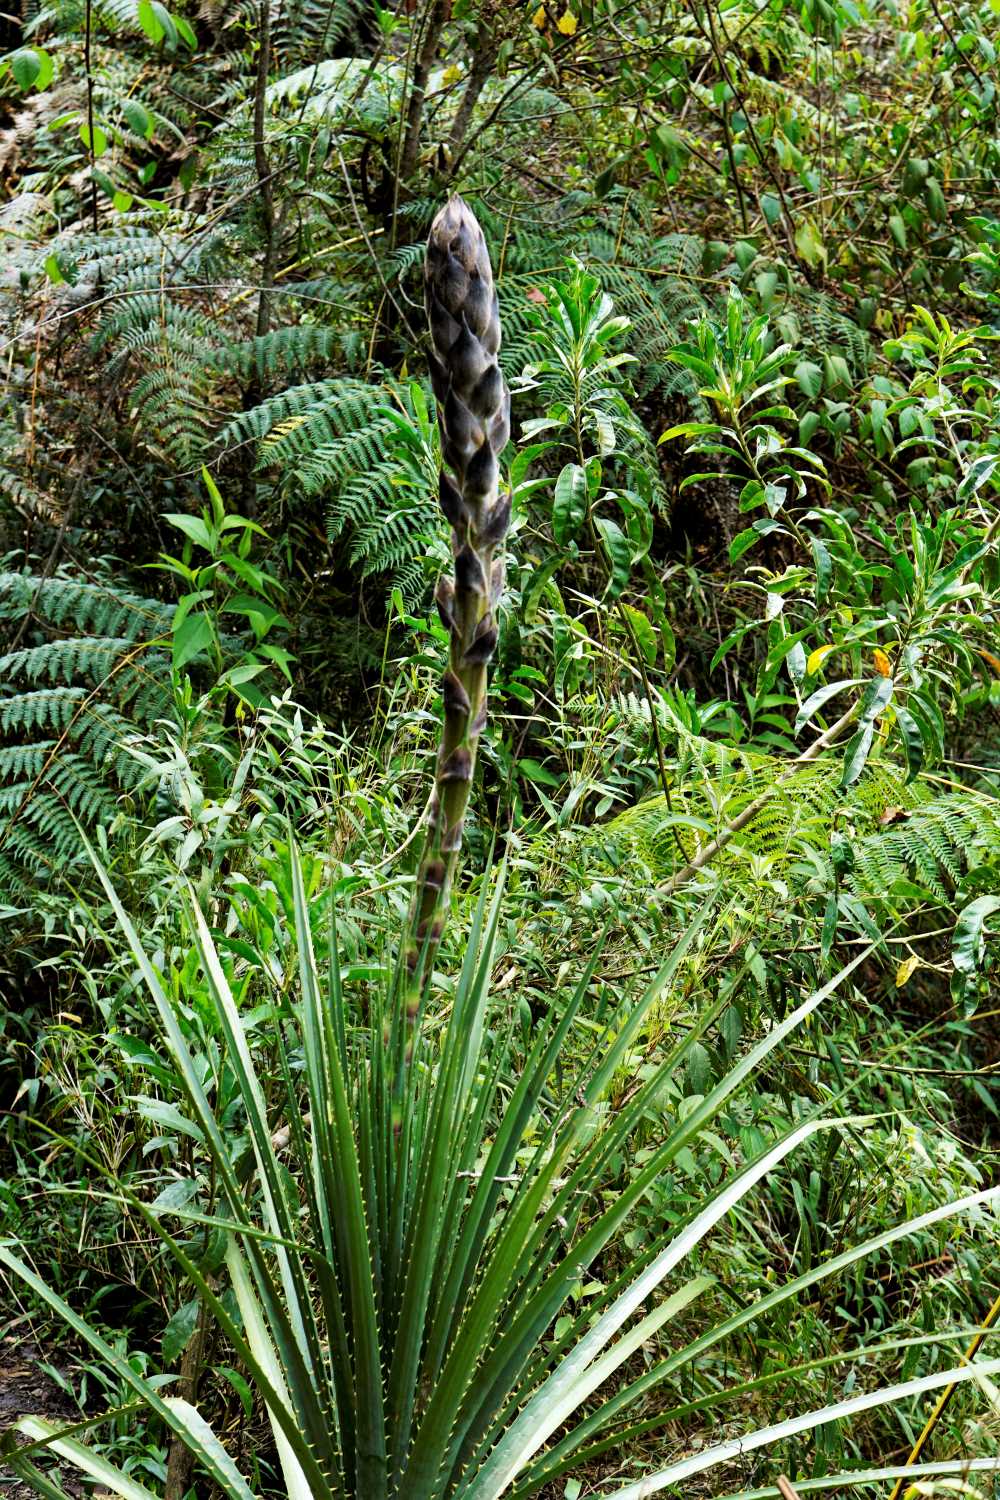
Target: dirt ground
[{"x": 26, "y": 1390}]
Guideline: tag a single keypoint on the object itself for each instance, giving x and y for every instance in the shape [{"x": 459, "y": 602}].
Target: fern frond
[
  {"x": 70, "y": 706},
  {"x": 281, "y": 351}
]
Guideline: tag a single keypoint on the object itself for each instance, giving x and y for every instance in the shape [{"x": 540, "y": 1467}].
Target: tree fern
[
  {"x": 898, "y": 840},
  {"x": 934, "y": 845},
  {"x": 69, "y": 704},
  {"x": 716, "y": 782},
  {"x": 370, "y": 451},
  {"x": 814, "y": 321}
]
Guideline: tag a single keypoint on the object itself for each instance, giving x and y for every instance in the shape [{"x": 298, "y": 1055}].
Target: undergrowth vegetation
[{"x": 499, "y": 826}]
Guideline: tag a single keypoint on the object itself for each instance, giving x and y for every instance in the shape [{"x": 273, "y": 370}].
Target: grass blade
[{"x": 764, "y": 1437}]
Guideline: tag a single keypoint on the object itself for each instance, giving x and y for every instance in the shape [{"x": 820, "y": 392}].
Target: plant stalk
[{"x": 473, "y": 406}]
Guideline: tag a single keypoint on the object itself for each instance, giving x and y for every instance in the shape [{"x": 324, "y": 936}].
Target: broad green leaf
[
  {"x": 531, "y": 594},
  {"x": 533, "y": 770},
  {"x": 969, "y": 941},
  {"x": 619, "y": 554},
  {"x": 149, "y": 21},
  {"x": 31, "y": 67},
  {"x": 195, "y": 635},
  {"x": 816, "y": 658},
  {"x": 821, "y": 696},
  {"x": 809, "y": 243},
  {"x": 976, "y": 475},
  {"x": 570, "y": 504},
  {"x": 913, "y": 741},
  {"x": 643, "y": 631},
  {"x": 699, "y": 1069},
  {"x": 96, "y": 140},
  {"x": 824, "y": 568},
  {"x": 193, "y": 527},
  {"x": 156, "y": 22},
  {"x": 138, "y": 117},
  {"x": 185, "y": 31},
  {"x": 177, "y": 1334},
  {"x": 810, "y": 378},
  {"x": 743, "y": 542},
  {"x": 876, "y": 698}
]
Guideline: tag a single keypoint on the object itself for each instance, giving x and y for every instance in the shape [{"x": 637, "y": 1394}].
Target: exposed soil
[{"x": 26, "y": 1390}]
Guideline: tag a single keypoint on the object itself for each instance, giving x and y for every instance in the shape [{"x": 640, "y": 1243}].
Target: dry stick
[
  {"x": 710, "y": 850},
  {"x": 962, "y": 57},
  {"x": 552, "y": 58},
  {"x": 758, "y": 147},
  {"x": 482, "y": 67},
  {"x": 376, "y": 264},
  {"x": 180, "y": 1458}
]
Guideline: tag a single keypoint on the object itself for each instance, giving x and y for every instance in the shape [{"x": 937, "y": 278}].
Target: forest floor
[{"x": 26, "y": 1390}]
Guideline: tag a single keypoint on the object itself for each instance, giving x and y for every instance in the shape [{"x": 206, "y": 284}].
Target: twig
[{"x": 751, "y": 810}]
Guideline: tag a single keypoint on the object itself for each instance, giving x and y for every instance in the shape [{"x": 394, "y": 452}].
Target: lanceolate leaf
[
  {"x": 570, "y": 505},
  {"x": 619, "y": 554},
  {"x": 970, "y": 934},
  {"x": 876, "y": 697},
  {"x": 913, "y": 741}
]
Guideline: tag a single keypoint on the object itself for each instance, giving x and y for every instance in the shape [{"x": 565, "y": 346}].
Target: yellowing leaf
[
  {"x": 451, "y": 75},
  {"x": 567, "y": 23},
  {"x": 816, "y": 658},
  {"x": 280, "y": 430},
  {"x": 987, "y": 656},
  {"x": 905, "y": 969},
  {"x": 538, "y": 20},
  {"x": 883, "y": 665}
]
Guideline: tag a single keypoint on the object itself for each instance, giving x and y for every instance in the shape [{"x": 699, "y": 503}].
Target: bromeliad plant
[
  {"x": 474, "y": 416},
  {"x": 405, "y": 1285}
]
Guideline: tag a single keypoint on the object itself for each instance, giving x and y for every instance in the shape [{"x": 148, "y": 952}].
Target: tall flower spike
[{"x": 473, "y": 406}]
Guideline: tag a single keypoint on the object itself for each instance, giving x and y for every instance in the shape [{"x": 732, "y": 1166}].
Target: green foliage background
[{"x": 745, "y": 696}]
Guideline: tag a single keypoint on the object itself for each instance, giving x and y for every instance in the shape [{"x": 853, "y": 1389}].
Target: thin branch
[{"x": 704, "y": 856}]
